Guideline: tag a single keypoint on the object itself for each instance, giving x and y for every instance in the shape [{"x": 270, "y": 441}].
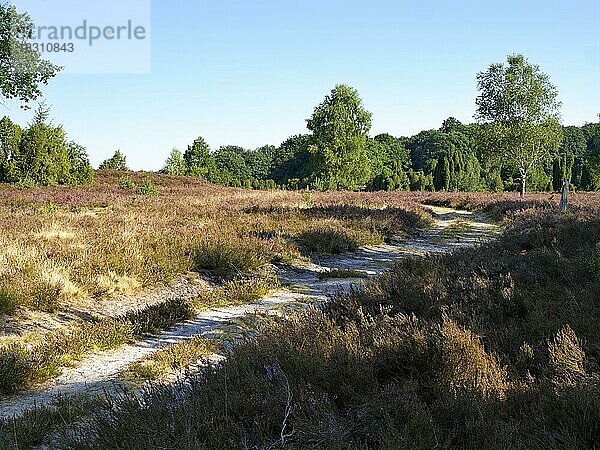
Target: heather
[{"x": 492, "y": 347}]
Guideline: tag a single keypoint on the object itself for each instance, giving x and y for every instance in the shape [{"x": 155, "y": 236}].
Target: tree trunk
[{"x": 523, "y": 182}]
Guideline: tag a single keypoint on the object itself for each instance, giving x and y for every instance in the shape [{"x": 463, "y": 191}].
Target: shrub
[
  {"x": 9, "y": 301},
  {"x": 566, "y": 356},
  {"x": 327, "y": 241},
  {"x": 126, "y": 183},
  {"x": 226, "y": 259},
  {"x": 594, "y": 264},
  {"x": 147, "y": 188}
]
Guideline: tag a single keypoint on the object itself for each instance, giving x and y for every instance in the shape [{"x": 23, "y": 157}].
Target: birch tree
[{"x": 519, "y": 106}]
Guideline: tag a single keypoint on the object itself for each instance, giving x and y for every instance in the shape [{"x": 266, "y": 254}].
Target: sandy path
[{"x": 98, "y": 373}]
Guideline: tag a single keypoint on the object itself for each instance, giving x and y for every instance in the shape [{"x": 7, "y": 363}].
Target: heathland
[{"x": 493, "y": 346}]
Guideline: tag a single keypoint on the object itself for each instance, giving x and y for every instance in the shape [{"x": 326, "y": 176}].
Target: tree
[
  {"x": 388, "y": 158},
  {"x": 452, "y": 124},
  {"x": 231, "y": 160},
  {"x": 426, "y": 146},
  {"x": 259, "y": 162},
  {"x": 22, "y": 71},
  {"x": 291, "y": 161},
  {"x": 81, "y": 171},
  {"x": 338, "y": 152},
  {"x": 573, "y": 146},
  {"x": 175, "y": 164},
  {"x": 593, "y": 162},
  {"x": 10, "y": 136},
  {"x": 116, "y": 162},
  {"x": 520, "y": 104},
  {"x": 41, "y": 154},
  {"x": 199, "y": 162}
]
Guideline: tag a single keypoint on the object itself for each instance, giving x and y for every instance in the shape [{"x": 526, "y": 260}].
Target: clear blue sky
[{"x": 250, "y": 72}]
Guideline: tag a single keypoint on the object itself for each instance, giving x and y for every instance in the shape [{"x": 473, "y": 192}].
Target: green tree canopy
[
  {"x": 259, "y": 162},
  {"x": 175, "y": 164},
  {"x": 22, "y": 70},
  {"x": 291, "y": 161},
  {"x": 115, "y": 162},
  {"x": 10, "y": 136},
  {"x": 198, "y": 159},
  {"x": 339, "y": 155},
  {"x": 426, "y": 146},
  {"x": 520, "y": 104},
  {"x": 41, "y": 154},
  {"x": 232, "y": 160}
]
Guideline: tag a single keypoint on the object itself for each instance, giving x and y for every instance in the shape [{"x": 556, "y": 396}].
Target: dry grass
[
  {"x": 24, "y": 365},
  {"x": 60, "y": 245},
  {"x": 62, "y": 248},
  {"x": 169, "y": 361}
]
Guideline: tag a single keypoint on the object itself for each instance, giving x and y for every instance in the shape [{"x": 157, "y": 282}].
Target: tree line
[
  {"x": 41, "y": 154},
  {"x": 451, "y": 158},
  {"x": 517, "y": 141}
]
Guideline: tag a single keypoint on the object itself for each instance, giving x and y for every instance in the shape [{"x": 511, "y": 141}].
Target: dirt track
[{"x": 98, "y": 373}]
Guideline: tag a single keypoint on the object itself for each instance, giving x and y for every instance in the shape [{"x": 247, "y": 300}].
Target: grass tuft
[{"x": 170, "y": 360}]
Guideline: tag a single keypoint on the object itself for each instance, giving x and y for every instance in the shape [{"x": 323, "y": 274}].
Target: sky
[{"x": 250, "y": 73}]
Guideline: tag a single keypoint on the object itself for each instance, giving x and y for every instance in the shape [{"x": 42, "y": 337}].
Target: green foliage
[
  {"x": 327, "y": 241},
  {"x": 231, "y": 159},
  {"x": 259, "y": 162},
  {"x": 426, "y": 146},
  {"x": 115, "y": 162},
  {"x": 520, "y": 103},
  {"x": 457, "y": 169},
  {"x": 22, "y": 70},
  {"x": 175, "y": 164},
  {"x": 10, "y": 136},
  {"x": 518, "y": 141},
  {"x": 562, "y": 169},
  {"x": 291, "y": 161},
  {"x": 419, "y": 181},
  {"x": 338, "y": 152},
  {"x": 127, "y": 183},
  {"x": 81, "y": 170},
  {"x": 41, "y": 154},
  {"x": 308, "y": 199},
  {"x": 227, "y": 260},
  {"x": 147, "y": 188},
  {"x": 389, "y": 159},
  {"x": 198, "y": 160}
]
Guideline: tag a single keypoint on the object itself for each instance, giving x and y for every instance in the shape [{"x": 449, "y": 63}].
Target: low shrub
[
  {"x": 490, "y": 347},
  {"x": 170, "y": 360},
  {"x": 229, "y": 259},
  {"x": 127, "y": 183},
  {"x": 326, "y": 241},
  {"x": 147, "y": 188}
]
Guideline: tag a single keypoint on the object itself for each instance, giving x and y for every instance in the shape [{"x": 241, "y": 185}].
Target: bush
[
  {"x": 594, "y": 264},
  {"x": 127, "y": 183},
  {"x": 226, "y": 259},
  {"x": 147, "y": 188},
  {"x": 326, "y": 241}
]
